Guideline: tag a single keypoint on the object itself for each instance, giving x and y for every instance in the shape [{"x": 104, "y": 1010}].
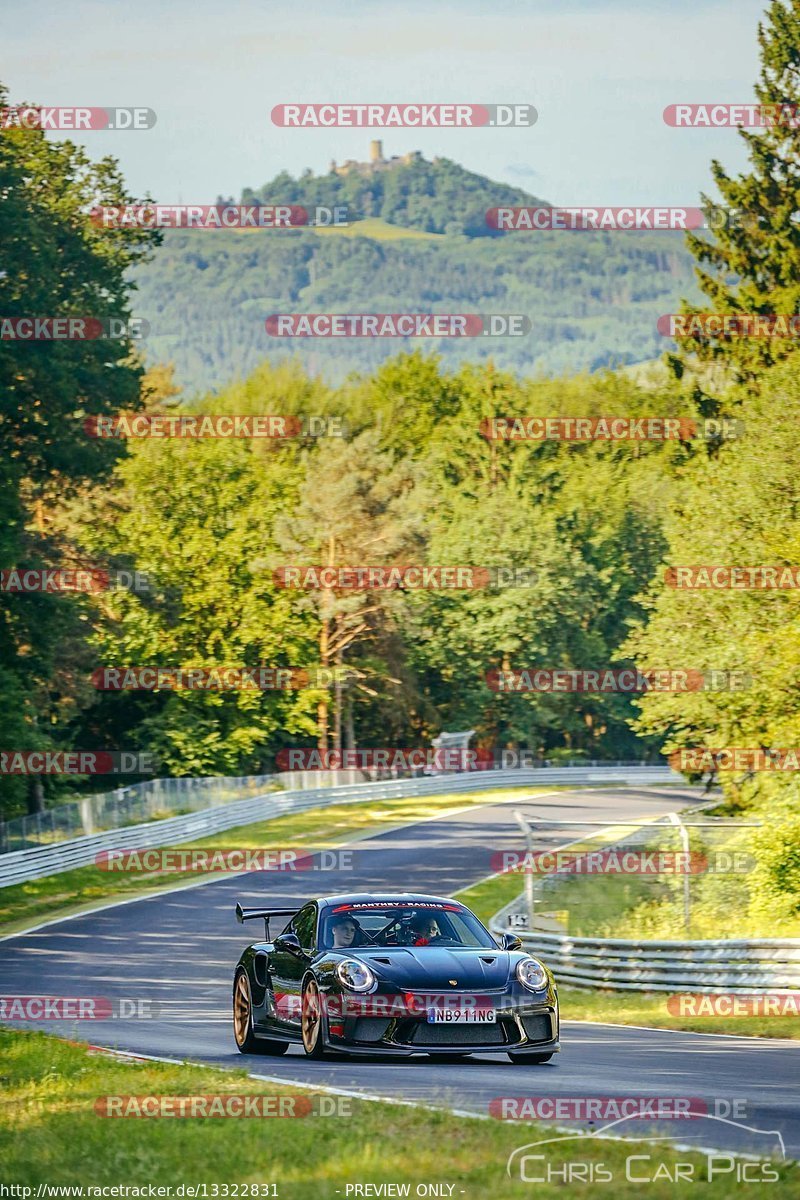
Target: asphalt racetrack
[{"x": 176, "y": 952}]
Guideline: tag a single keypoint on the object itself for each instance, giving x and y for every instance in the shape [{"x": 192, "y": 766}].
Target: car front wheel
[{"x": 311, "y": 1020}]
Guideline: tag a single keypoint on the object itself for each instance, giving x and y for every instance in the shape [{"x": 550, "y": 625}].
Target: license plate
[{"x": 461, "y": 1016}]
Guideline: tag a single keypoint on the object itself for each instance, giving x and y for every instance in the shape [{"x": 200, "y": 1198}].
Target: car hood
[{"x": 432, "y": 967}]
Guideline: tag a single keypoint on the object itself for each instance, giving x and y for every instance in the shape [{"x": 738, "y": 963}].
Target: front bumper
[{"x": 529, "y": 1027}]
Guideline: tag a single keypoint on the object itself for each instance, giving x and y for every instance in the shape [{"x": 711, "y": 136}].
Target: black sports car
[{"x": 397, "y": 974}]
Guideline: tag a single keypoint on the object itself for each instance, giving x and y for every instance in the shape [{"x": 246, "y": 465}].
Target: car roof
[{"x": 410, "y": 898}]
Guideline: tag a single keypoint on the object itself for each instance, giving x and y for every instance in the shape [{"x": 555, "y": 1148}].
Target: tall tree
[
  {"x": 751, "y": 262},
  {"x": 355, "y": 509},
  {"x": 55, "y": 263},
  {"x": 741, "y": 507}
]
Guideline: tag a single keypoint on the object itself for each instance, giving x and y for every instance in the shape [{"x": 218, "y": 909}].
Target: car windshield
[{"x": 390, "y": 925}]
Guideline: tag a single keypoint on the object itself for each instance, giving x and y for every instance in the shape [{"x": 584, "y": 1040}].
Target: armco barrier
[
  {"x": 134, "y": 804},
  {"x": 21, "y": 865},
  {"x": 740, "y": 966}
]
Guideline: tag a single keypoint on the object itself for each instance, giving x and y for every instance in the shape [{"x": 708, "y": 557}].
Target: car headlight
[
  {"x": 355, "y": 975},
  {"x": 531, "y": 974}
]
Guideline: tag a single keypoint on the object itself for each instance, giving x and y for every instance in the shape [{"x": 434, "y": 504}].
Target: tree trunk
[
  {"x": 35, "y": 794},
  {"x": 349, "y": 727},
  {"x": 337, "y": 704},
  {"x": 324, "y": 654},
  {"x": 322, "y": 707}
]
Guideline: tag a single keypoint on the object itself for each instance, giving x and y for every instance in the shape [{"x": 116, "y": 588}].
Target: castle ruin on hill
[{"x": 376, "y": 161}]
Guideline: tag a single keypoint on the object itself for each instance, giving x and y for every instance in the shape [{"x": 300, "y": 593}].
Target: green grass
[
  {"x": 26, "y": 904},
  {"x": 488, "y": 897},
  {"x": 650, "y": 1008},
  {"x": 378, "y": 229},
  {"x": 371, "y": 227},
  {"x": 51, "y": 1134}
]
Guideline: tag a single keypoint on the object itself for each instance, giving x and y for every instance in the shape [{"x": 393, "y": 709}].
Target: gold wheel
[
  {"x": 311, "y": 1020},
  {"x": 242, "y": 1008}
]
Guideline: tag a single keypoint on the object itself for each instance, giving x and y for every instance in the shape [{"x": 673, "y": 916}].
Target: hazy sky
[{"x": 600, "y": 73}]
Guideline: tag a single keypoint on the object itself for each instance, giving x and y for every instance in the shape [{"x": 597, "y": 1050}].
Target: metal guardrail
[
  {"x": 741, "y": 965},
  {"x": 150, "y": 800},
  {"x": 34, "y": 863}
]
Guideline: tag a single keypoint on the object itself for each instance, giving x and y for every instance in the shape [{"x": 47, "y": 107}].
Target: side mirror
[
  {"x": 510, "y": 941},
  {"x": 289, "y": 942}
]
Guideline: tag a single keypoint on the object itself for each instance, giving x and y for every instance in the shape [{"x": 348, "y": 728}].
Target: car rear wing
[{"x": 252, "y": 914}]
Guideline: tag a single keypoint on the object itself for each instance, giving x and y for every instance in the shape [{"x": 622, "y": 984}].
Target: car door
[{"x": 287, "y": 968}]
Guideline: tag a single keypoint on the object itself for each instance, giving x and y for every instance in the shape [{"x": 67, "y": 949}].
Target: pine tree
[{"x": 751, "y": 263}]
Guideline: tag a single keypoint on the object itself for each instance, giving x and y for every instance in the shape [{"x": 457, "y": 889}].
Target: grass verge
[
  {"x": 650, "y": 1008},
  {"x": 50, "y": 1133},
  {"x": 378, "y": 229}
]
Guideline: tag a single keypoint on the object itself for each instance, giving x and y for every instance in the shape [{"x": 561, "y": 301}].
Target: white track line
[{"x": 746, "y": 1037}]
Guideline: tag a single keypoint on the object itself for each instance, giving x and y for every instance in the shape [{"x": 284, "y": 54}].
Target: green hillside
[
  {"x": 417, "y": 246},
  {"x": 436, "y": 197}
]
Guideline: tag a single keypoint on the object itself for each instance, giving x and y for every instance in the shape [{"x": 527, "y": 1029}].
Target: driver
[
  {"x": 424, "y": 929},
  {"x": 344, "y": 929}
]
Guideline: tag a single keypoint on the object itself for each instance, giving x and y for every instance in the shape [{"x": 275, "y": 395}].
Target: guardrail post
[
  {"x": 530, "y": 895},
  {"x": 85, "y": 809}
]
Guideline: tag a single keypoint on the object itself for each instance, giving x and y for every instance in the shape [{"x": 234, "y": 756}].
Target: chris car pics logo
[{"x": 578, "y": 1158}]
